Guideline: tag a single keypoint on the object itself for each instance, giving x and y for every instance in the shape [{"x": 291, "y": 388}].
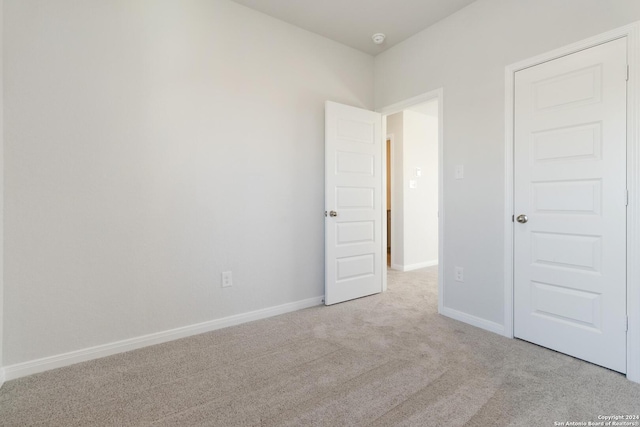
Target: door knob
[
  {"x": 522, "y": 218},
  {"x": 333, "y": 213}
]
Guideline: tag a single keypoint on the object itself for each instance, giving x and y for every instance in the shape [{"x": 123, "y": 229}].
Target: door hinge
[
  {"x": 627, "y": 73},
  {"x": 626, "y": 198},
  {"x": 626, "y": 327}
]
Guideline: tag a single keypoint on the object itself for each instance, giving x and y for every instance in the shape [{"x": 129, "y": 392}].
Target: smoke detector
[{"x": 378, "y": 38}]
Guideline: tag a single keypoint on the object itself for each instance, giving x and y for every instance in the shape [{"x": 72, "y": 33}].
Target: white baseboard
[
  {"x": 473, "y": 320},
  {"x": 52, "y": 362},
  {"x": 417, "y": 266}
]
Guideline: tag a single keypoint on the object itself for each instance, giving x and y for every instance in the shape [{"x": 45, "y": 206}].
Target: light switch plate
[{"x": 413, "y": 183}]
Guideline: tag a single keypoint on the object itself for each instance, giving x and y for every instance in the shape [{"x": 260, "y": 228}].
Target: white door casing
[
  {"x": 353, "y": 191},
  {"x": 570, "y": 181}
]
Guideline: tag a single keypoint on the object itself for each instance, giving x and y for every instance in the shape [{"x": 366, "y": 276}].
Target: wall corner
[{"x": 2, "y": 373}]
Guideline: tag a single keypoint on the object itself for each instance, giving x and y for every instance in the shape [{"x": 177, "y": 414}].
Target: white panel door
[
  {"x": 570, "y": 182},
  {"x": 353, "y": 191}
]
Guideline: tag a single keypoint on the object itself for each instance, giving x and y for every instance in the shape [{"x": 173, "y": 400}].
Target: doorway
[
  {"x": 412, "y": 186},
  {"x": 414, "y": 170},
  {"x": 356, "y": 193}
]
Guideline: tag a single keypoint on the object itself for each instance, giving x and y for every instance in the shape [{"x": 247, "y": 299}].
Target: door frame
[
  {"x": 437, "y": 94},
  {"x": 390, "y": 137},
  {"x": 632, "y": 33}
]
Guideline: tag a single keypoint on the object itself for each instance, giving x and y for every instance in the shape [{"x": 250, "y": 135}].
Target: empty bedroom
[{"x": 348, "y": 212}]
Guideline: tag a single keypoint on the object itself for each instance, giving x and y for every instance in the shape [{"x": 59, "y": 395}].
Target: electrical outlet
[
  {"x": 227, "y": 279},
  {"x": 458, "y": 274}
]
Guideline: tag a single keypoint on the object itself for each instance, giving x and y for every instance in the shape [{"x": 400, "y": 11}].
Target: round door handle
[
  {"x": 333, "y": 213},
  {"x": 522, "y": 218}
]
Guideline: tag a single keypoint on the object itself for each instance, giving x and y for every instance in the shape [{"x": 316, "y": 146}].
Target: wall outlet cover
[
  {"x": 227, "y": 279},
  {"x": 459, "y": 171},
  {"x": 458, "y": 274}
]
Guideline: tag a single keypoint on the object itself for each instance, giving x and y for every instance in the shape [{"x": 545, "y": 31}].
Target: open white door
[
  {"x": 353, "y": 192},
  {"x": 570, "y": 204}
]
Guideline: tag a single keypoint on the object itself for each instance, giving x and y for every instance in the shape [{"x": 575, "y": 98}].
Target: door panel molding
[
  {"x": 353, "y": 194},
  {"x": 632, "y": 33}
]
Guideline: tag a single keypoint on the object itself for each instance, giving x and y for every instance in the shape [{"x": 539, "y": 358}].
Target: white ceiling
[{"x": 353, "y": 22}]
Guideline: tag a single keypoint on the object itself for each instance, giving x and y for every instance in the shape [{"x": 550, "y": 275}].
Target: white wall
[
  {"x": 151, "y": 145},
  {"x": 414, "y": 210},
  {"x": 420, "y": 150},
  {"x": 466, "y": 54}
]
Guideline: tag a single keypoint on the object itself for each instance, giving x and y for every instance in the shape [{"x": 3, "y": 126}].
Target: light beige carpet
[{"x": 385, "y": 360}]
